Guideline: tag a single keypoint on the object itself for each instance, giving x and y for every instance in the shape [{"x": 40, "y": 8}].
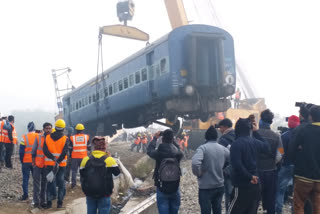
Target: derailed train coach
[{"x": 188, "y": 73}]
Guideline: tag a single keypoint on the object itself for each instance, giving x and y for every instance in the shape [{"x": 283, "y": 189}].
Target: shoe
[
  {"x": 59, "y": 204},
  {"x": 36, "y": 206},
  {"x": 49, "y": 205},
  {"x": 43, "y": 206},
  {"x": 73, "y": 186},
  {"x": 23, "y": 198}
]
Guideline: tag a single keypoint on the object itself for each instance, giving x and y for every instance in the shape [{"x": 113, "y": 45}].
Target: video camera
[
  {"x": 283, "y": 129},
  {"x": 304, "y": 105},
  {"x": 38, "y": 131}
]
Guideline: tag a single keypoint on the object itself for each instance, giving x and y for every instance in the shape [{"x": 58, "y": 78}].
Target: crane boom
[{"x": 176, "y": 12}]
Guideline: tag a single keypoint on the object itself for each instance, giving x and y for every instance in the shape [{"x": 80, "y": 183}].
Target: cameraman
[
  {"x": 304, "y": 151},
  {"x": 226, "y": 140}
]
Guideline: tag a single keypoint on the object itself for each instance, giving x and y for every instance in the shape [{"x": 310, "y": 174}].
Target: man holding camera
[
  {"x": 304, "y": 151},
  {"x": 243, "y": 156}
]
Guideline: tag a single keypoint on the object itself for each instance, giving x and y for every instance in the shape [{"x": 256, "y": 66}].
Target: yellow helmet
[
  {"x": 60, "y": 124},
  {"x": 79, "y": 127},
  {"x": 53, "y": 130}
]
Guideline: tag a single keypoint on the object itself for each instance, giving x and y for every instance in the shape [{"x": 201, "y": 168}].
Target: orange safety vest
[
  {"x": 79, "y": 142},
  {"x": 1, "y": 128},
  {"x": 55, "y": 147},
  {"x": 144, "y": 140},
  {"x": 181, "y": 143},
  {"x": 186, "y": 138},
  {"x": 5, "y": 135},
  {"x": 237, "y": 96},
  {"x": 137, "y": 141},
  {"x": 40, "y": 156},
  {"x": 28, "y": 142}
]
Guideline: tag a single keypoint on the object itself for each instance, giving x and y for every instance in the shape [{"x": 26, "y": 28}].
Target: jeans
[
  {"x": 26, "y": 169},
  {"x": 102, "y": 205},
  {"x": 75, "y": 164},
  {"x": 268, "y": 181},
  {"x": 2, "y": 152},
  {"x": 210, "y": 199},
  {"x": 304, "y": 190},
  {"x": 58, "y": 182},
  {"x": 9, "y": 151},
  {"x": 168, "y": 203},
  {"x": 284, "y": 176},
  {"x": 39, "y": 185}
]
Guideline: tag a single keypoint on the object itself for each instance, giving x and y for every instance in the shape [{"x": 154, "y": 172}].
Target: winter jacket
[
  {"x": 306, "y": 150},
  {"x": 286, "y": 141},
  {"x": 267, "y": 161},
  {"x": 227, "y": 138},
  {"x": 164, "y": 150},
  {"x": 243, "y": 156},
  {"x": 207, "y": 164}
]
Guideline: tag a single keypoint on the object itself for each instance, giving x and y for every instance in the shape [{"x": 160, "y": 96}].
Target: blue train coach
[{"x": 189, "y": 73}]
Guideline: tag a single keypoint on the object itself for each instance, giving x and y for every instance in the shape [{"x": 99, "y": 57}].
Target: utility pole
[{"x": 55, "y": 74}]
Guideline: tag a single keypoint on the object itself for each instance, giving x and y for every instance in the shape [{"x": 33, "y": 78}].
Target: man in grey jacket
[{"x": 207, "y": 165}]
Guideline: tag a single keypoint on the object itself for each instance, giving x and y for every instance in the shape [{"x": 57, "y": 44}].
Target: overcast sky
[{"x": 277, "y": 45}]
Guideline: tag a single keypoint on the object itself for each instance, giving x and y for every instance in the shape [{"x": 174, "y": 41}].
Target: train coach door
[{"x": 151, "y": 75}]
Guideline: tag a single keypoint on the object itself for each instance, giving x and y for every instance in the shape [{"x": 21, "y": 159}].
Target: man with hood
[
  {"x": 267, "y": 161},
  {"x": 55, "y": 150},
  {"x": 26, "y": 145},
  {"x": 243, "y": 156}
]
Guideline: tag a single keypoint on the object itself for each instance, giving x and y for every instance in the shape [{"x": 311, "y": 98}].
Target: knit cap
[{"x": 293, "y": 121}]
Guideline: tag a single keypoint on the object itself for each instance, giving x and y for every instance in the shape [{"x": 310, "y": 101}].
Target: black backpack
[
  {"x": 169, "y": 173},
  {"x": 94, "y": 177}
]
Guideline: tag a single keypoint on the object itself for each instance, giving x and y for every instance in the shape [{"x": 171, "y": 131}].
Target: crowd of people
[
  {"x": 49, "y": 156},
  {"x": 250, "y": 165}
]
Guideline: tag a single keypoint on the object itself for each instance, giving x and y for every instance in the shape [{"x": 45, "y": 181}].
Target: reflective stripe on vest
[
  {"x": 1, "y": 128},
  {"x": 55, "y": 148},
  {"x": 79, "y": 143},
  {"x": 29, "y": 141},
  {"x": 40, "y": 156}
]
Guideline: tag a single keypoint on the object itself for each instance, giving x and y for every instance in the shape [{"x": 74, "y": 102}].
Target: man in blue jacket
[{"x": 243, "y": 155}]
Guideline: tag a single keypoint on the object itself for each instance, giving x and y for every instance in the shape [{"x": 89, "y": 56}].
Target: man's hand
[
  {"x": 108, "y": 153},
  {"x": 254, "y": 180},
  {"x": 255, "y": 126}
]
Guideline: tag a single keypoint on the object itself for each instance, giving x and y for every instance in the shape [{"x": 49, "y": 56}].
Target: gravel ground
[{"x": 189, "y": 192}]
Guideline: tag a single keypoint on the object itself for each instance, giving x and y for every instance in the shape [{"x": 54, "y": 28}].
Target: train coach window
[
  {"x": 80, "y": 104},
  {"x": 157, "y": 70},
  {"x": 89, "y": 99},
  {"x": 93, "y": 98},
  {"x": 151, "y": 72},
  {"x": 125, "y": 82},
  {"x": 83, "y": 103},
  {"x": 131, "y": 80},
  {"x": 101, "y": 94},
  {"x": 110, "y": 90},
  {"x": 76, "y": 105},
  {"x": 144, "y": 74},
  {"x": 120, "y": 85},
  {"x": 163, "y": 65},
  {"x": 137, "y": 77},
  {"x": 115, "y": 87},
  {"x": 105, "y": 91},
  {"x": 97, "y": 96},
  {"x": 86, "y": 100}
]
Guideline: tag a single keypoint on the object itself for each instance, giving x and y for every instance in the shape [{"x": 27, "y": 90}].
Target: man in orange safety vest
[{"x": 79, "y": 147}]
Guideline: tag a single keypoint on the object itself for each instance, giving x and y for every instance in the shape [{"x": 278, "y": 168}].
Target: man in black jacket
[
  {"x": 226, "y": 140},
  {"x": 167, "y": 203},
  {"x": 305, "y": 153},
  {"x": 243, "y": 155}
]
